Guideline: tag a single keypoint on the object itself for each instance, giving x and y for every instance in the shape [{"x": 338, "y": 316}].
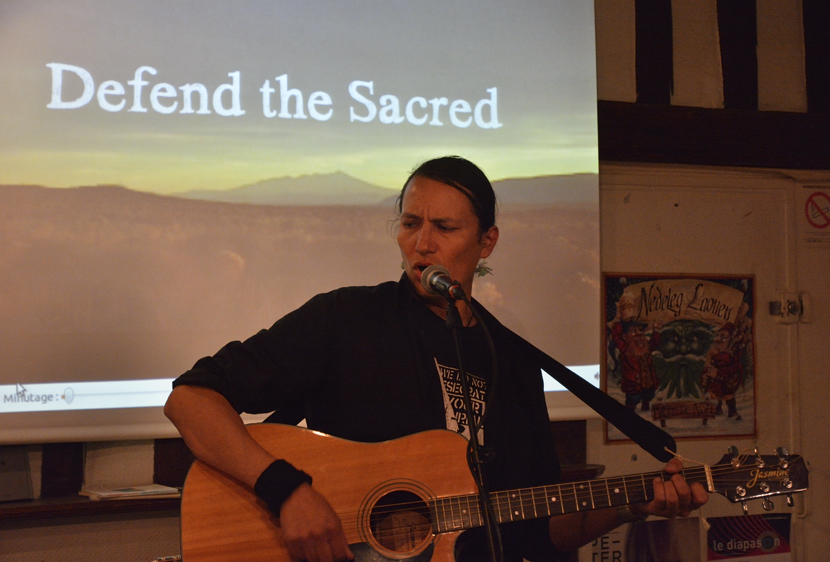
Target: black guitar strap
[{"x": 647, "y": 435}]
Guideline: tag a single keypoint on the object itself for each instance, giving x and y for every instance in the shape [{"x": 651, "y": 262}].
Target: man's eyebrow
[
  {"x": 436, "y": 220},
  {"x": 444, "y": 220}
]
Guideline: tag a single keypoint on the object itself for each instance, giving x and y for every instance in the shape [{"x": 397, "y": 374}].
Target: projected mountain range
[
  {"x": 341, "y": 189},
  {"x": 319, "y": 189}
]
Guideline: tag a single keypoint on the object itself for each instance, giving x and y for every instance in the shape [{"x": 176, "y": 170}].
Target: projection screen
[{"x": 177, "y": 175}]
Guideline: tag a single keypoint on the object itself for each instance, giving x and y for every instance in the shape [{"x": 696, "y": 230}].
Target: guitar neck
[{"x": 464, "y": 512}]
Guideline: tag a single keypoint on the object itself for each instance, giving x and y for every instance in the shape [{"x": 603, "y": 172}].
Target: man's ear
[{"x": 488, "y": 241}]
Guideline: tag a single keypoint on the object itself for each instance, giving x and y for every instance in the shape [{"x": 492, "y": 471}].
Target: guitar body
[
  {"x": 409, "y": 499},
  {"x": 222, "y": 520}
]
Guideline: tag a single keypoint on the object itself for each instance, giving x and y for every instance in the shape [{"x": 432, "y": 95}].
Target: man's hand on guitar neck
[
  {"x": 312, "y": 531},
  {"x": 673, "y": 497}
]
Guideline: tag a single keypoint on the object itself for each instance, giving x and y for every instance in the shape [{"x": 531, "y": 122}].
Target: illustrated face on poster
[{"x": 680, "y": 352}]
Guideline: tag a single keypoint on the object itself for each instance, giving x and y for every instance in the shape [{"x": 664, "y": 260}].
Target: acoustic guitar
[{"x": 410, "y": 498}]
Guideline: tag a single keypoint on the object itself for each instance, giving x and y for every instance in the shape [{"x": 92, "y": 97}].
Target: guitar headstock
[{"x": 743, "y": 477}]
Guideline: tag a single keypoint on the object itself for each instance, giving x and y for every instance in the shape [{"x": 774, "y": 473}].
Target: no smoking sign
[
  {"x": 817, "y": 210},
  {"x": 815, "y": 227}
]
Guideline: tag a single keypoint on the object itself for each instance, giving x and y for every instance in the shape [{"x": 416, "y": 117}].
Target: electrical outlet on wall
[{"x": 791, "y": 308}]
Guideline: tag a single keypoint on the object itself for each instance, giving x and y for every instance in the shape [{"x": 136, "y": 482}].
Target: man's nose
[{"x": 426, "y": 241}]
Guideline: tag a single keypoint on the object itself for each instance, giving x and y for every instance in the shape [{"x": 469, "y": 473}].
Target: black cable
[
  {"x": 491, "y": 392},
  {"x": 474, "y": 454}
]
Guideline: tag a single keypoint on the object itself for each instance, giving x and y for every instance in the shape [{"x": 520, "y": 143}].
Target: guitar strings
[
  {"x": 570, "y": 490},
  {"x": 460, "y": 519}
]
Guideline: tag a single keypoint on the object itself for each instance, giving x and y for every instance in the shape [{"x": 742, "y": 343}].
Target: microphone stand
[{"x": 475, "y": 456}]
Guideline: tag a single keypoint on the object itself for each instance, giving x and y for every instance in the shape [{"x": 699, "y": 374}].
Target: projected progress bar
[{"x": 53, "y": 397}]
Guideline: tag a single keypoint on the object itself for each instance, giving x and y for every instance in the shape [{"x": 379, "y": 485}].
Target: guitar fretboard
[{"x": 464, "y": 512}]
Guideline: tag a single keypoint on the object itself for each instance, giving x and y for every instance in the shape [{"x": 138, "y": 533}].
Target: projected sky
[{"x": 176, "y": 96}]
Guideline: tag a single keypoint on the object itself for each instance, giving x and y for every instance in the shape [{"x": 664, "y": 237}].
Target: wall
[{"x": 683, "y": 219}]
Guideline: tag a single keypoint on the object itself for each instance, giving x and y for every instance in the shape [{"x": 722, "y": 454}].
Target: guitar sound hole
[{"x": 400, "y": 521}]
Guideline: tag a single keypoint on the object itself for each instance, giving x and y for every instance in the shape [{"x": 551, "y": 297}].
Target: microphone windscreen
[{"x": 434, "y": 269}]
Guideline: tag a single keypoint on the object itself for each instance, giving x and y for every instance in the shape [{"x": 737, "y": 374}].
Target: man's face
[{"x": 438, "y": 226}]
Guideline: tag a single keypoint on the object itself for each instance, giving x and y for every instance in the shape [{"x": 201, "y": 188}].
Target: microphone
[{"x": 436, "y": 280}]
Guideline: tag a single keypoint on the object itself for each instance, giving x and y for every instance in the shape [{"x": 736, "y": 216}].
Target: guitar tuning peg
[
  {"x": 767, "y": 504},
  {"x": 760, "y": 459},
  {"x": 782, "y": 453},
  {"x": 745, "y": 508},
  {"x": 733, "y": 452},
  {"x": 790, "y": 501}
]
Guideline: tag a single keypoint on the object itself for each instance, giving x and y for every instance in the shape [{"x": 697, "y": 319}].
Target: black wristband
[{"x": 277, "y": 482}]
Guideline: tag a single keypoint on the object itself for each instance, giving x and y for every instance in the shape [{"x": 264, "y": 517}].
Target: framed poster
[{"x": 679, "y": 351}]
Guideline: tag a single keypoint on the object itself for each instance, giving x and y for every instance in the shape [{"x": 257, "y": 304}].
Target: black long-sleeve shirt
[{"x": 361, "y": 363}]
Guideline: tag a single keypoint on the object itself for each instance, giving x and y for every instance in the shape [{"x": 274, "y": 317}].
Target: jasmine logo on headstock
[{"x": 779, "y": 474}]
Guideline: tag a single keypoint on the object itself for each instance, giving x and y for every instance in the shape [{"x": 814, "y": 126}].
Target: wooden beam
[{"x": 634, "y": 132}]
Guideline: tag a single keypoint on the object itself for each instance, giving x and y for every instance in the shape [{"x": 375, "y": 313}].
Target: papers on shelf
[{"x": 133, "y": 492}]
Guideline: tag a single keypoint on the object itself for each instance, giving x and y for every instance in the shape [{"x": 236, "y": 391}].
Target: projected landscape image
[{"x": 119, "y": 283}]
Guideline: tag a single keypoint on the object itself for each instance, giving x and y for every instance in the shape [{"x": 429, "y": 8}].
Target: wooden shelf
[{"x": 79, "y": 506}]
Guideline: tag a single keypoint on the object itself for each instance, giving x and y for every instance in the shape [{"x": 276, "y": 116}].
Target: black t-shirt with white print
[{"x": 439, "y": 345}]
